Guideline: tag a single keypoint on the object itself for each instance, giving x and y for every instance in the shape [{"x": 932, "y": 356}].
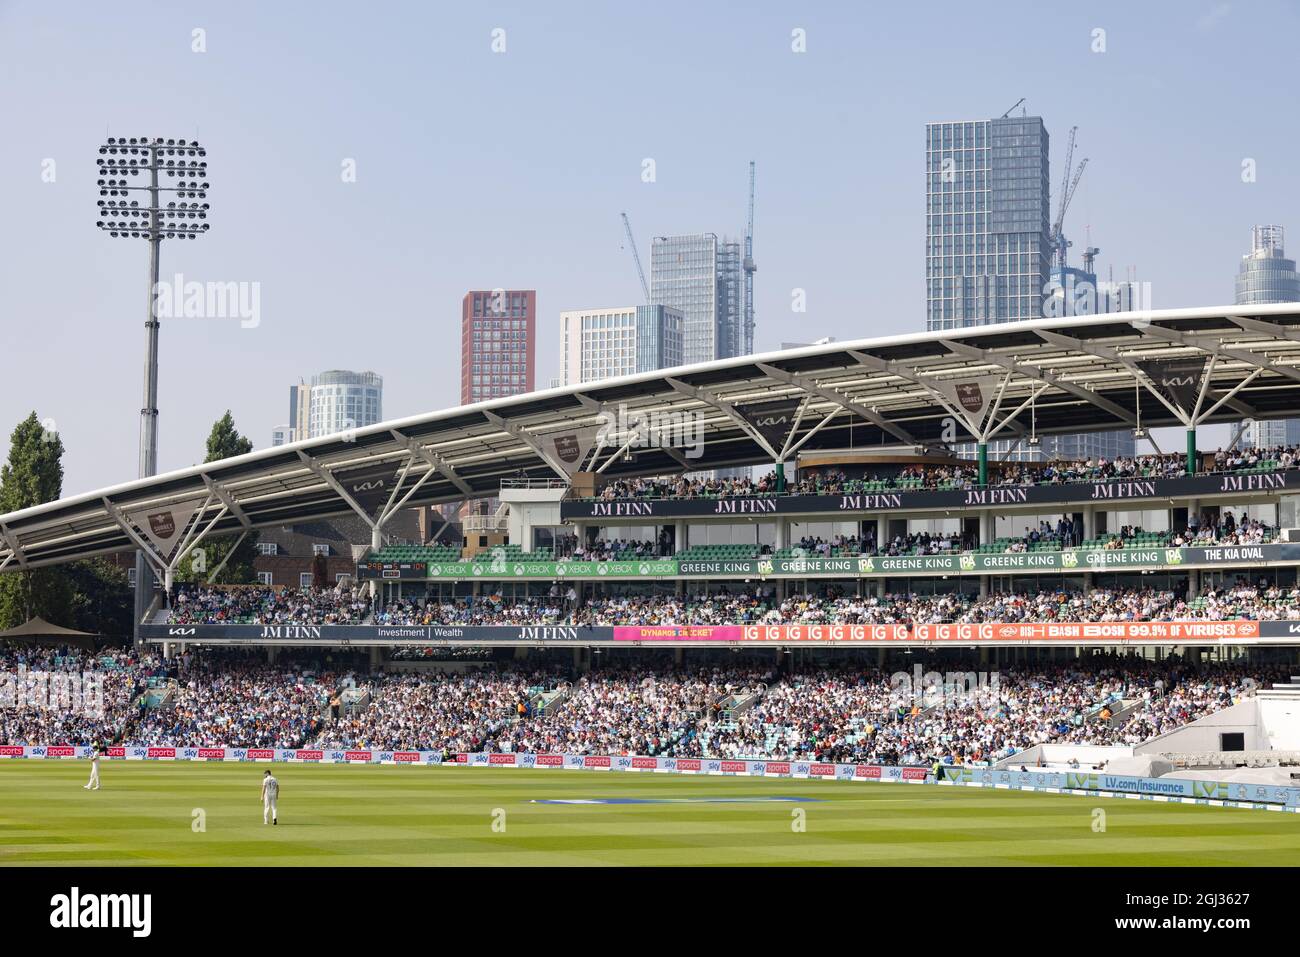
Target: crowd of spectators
[
  {"x": 344, "y": 604},
  {"x": 758, "y": 604},
  {"x": 844, "y": 713},
  {"x": 242, "y": 705},
  {"x": 32, "y": 711},
  {"x": 957, "y": 474}
]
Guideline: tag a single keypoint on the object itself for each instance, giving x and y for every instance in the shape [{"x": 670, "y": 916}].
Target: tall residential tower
[
  {"x": 702, "y": 277},
  {"x": 603, "y": 343},
  {"x": 498, "y": 340},
  {"x": 988, "y": 244},
  {"x": 1266, "y": 275}
]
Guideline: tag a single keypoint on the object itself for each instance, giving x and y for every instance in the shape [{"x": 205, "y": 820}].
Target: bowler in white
[
  {"x": 270, "y": 792},
  {"x": 93, "y": 783}
]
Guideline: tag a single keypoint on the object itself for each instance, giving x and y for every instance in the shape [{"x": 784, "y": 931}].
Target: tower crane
[
  {"x": 645, "y": 287},
  {"x": 749, "y": 268},
  {"x": 1068, "y": 185}
]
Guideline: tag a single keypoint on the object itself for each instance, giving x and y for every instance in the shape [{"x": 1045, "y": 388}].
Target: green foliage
[
  {"x": 224, "y": 440},
  {"x": 33, "y": 475},
  {"x": 102, "y": 602}
]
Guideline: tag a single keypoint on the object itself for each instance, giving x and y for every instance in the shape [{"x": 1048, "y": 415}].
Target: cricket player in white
[
  {"x": 270, "y": 791},
  {"x": 93, "y": 783}
]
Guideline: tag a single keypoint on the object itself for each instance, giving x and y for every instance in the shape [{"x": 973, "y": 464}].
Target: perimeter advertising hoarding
[
  {"x": 650, "y": 568},
  {"x": 1089, "y": 782},
  {"x": 1134, "y": 632},
  {"x": 1080, "y": 493},
  {"x": 875, "y": 566}
]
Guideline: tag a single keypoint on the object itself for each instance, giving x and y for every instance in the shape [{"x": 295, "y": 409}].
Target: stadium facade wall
[
  {"x": 1079, "y": 493},
  {"x": 1197, "y": 632},
  {"x": 1204, "y": 733},
  {"x": 1066, "y": 561}
]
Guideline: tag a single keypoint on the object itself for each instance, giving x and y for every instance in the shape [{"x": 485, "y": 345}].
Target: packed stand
[{"x": 344, "y": 604}]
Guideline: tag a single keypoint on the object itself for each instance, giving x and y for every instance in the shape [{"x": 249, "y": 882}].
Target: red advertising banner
[
  {"x": 826, "y": 633},
  {"x": 1136, "y": 631},
  {"x": 1171, "y": 632},
  {"x": 678, "y": 633}
]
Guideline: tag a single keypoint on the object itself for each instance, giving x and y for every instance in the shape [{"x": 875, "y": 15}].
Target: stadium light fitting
[
  {"x": 152, "y": 211},
  {"x": 1138, "y": 431}
]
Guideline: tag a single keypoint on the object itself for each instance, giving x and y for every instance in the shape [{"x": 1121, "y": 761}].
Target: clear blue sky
[{"x": 478, "y": 169}]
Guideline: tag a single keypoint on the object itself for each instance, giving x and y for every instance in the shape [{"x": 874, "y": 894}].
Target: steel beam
[
  {"x": 1055, "y": 380},
  {"x": 517, "y": 433},
  {"x": 727, "y": 409},
  {"x": 325, "y": 476},
  {"x": 840, "y": 399}
]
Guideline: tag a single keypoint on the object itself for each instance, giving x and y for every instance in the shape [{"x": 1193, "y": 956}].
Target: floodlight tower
[{"x": 122, "y": 162}]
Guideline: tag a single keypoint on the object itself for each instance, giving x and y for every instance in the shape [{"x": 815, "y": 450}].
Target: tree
[
  {"x": 33, "y": 475},
  {"x": 102, "y": 602},
  {"x": 223, "y": 441}
]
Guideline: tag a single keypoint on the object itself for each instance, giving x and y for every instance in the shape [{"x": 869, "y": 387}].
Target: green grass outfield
[{"x": 359, "y": 815}]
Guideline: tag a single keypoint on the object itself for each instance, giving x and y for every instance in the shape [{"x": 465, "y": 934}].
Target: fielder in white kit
[
  {"x": 93, "y": 783},
  {"x": 270, "y": 792}
]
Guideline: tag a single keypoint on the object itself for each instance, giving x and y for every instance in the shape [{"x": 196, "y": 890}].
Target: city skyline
[{"x": 377, "y": 263}]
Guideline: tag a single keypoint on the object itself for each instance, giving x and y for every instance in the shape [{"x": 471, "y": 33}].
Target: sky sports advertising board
[{"x": 1263, "y": 796}]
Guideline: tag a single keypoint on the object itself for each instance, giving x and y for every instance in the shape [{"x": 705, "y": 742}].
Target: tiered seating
[
  {"x": 717, "y": 553},
  {"x": 836, "y": 551},
  {"x": 1140, "y": 539},
  {"x": 416, "y": 553},
  {"x": 514, "y": 553}
]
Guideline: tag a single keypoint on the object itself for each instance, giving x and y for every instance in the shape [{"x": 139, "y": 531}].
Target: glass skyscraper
[
  {"x": 988, "y": 249},
  {"x": 342, "y": 401},
  {"x": 600, "y": 344},
  {"x": 988, "y": 255},
  {"x": 702, "y": 277},
  {"x": 1266, "y": 275}
]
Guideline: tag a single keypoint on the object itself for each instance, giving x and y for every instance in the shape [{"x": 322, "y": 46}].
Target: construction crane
[
  {"x": 645, "y": 287},
  {"x": 1089, "y": 251},
  {"x": 749, "y": 268},
  {"x": 1068, "y": 185},
  {"x": 1013, "y": 106}
]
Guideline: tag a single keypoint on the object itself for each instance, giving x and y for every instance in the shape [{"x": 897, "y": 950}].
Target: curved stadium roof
[{"x": 1082, "y": 373}]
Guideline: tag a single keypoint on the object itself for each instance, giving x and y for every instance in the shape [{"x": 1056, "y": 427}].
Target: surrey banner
[{"x": 164, "y": 526}]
